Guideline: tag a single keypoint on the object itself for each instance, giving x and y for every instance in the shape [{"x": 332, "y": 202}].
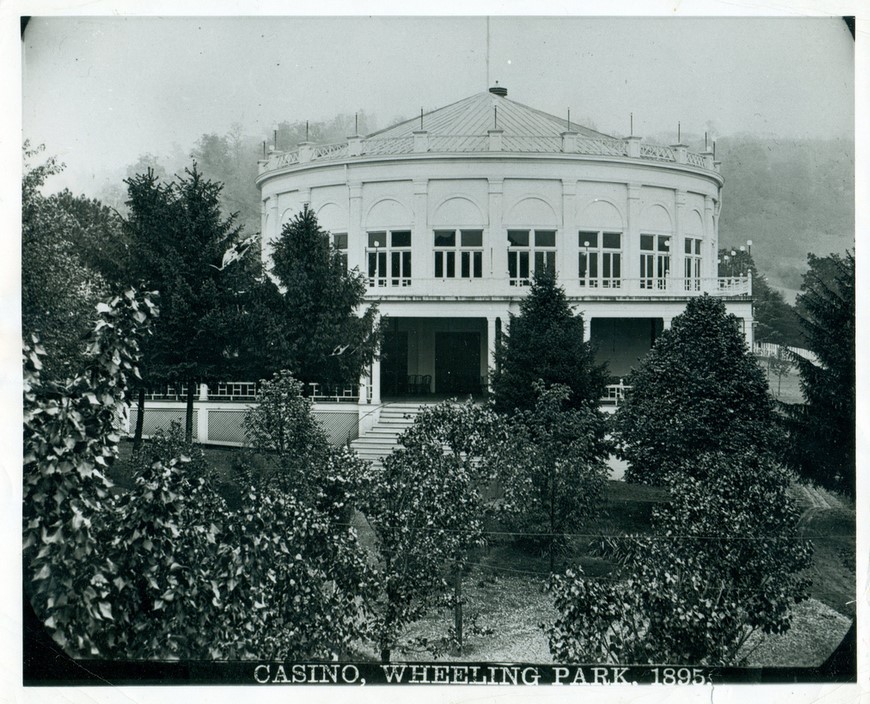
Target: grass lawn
[{"x": 785, "y": 388}]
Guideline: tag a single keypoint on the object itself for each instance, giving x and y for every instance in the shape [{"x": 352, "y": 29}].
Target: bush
[
  {"x": 698, "y": 390},
  {"x": 550, "y": 465},
  {"x": 724, "y": 562},
  {"x": 426, "y": 511}
]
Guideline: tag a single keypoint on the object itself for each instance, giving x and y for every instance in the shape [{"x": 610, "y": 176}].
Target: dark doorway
[
  {"x": 394, "y": 363},
  {"x": 457, "y": 363}
]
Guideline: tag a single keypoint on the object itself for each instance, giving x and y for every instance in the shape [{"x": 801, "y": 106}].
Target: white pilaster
[
  {"x": 678, "y": 247},
  {"x": 356, "y": 245},
  {"x": 422, "y": 261},
  {"x": 566, "y": 250},
  {"x": 631, "y": 245},
  {"x": 497, "y": 241}
]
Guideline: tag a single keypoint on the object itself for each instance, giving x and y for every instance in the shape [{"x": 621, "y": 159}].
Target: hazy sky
[{"x": 100, "y": 91}]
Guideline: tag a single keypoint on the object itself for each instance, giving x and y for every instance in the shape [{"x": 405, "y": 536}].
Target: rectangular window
[
  {"x": 692, "y": 264},
  {"x": 458, "y": 254},
  {"x": 389, "y": 258},
  {"x": 339, "y": 243},
  {"x": 655, "y": 261},
  {"x": 529, "y": 251},
  {"x": 600, "y": 259}
]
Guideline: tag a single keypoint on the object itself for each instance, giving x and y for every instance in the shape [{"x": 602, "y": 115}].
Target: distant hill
[{"x": 789, "y": 197}]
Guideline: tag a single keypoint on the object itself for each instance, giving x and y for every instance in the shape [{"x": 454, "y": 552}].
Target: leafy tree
[
  {"x": 426, "y": 511},
  {"x": 71, "y": 433},
  {"x": 545, "y": 342},
  {"x": 698, "y": 390},
  {"x": 550, "y": 465},
  {"x": 168, "y": 570},
  {"x": 295, "y": 452},
  {"x": 822, "y": 432},
  {"x": 723, "y": 563},
  {"x": 58, "y": 290},
  {"x": 321, "y": 336},
  {"x": 178, "y": 238}
]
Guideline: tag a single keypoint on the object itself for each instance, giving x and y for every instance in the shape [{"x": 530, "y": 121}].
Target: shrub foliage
[
  {"x": 723, "y": 563},
  {"x": 698, "y": 390}
]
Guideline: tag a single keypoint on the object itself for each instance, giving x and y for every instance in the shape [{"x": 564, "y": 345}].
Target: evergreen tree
[
  {"x": 545, "y": 343},
  {"x": 698, "y": 390},
  {"x": 822, "y": 432},
  {"x": 320, "y": 335},
  {"x": 178, "y": 239}
]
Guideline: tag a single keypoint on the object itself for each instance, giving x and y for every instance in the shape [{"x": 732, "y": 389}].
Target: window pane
[
  {"x": 593, "y": 266},
  {"x": 372, "y": 264},
  {"x": 646, "y": 242},
  {"x": 697, "y": 246},
  {"x": 439, "y": 264},
  {"x": 664, "y": 243},
  {"x": 539, "y": 261},
  {"x": 545, "y": 238},
  {"x": 612, "y": 240},
  {"x": 451, "y": 264},
  {"x": 512, "y": 265},
  {"x": 590, "y": 237},
  {"x": 465, "y": 261},
  {"x": 518, "y": 238},
  {"x": 478, "y": 264},
  {"x": 445, "y": 238},
  {"x": 406, "y": 264},
  {"x": 616, "y": 266},
  {"x": 582, "y": 264},
  {"x": 524, "y": 265},
  {"x": 377, "y": 239},
  {"x": 401, "y": 239},
  {"x": 689, "y": 246},
  {"x": 339, "y": 240},
  {"x": 395, "y": 264},
  {"x": 472, "y": 238},
  {"x": 606, "y": 270}
]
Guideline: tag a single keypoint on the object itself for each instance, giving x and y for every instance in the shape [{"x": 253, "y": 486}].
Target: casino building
[{"x": 449, "y": 215}]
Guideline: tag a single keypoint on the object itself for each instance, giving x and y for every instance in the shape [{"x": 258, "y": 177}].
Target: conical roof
[{"x": 476, "y": 115}]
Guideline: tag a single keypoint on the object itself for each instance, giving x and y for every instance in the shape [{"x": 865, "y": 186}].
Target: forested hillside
[{"x": 789, "y": 197}]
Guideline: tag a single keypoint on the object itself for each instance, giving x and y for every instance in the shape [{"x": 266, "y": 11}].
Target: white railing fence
[{"x": 771, "y": 349}]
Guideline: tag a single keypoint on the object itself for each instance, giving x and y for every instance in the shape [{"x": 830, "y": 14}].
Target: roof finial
[
  {"x": 495, "y": 117},
  {"x": 421, "y": 118},
  {"x": 679, "y": 133},
  {"x": 631, "y": 124},
  {"x": 569, "y": 119}
]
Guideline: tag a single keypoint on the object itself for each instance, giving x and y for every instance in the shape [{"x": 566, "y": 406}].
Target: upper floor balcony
[{"x": 409, "y": 287}]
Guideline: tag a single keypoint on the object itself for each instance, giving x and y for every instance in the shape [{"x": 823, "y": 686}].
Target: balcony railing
[{"x": 580, "y": 288}]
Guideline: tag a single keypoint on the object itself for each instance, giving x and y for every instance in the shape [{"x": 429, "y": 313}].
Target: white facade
[{"x": 449, "y": 214}]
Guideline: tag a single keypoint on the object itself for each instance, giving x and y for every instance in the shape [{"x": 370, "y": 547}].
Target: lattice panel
[
  {"x": 339, "y": 427},
  {"x": 160, "y": 419},
  {"x": 227, "y": 426}
]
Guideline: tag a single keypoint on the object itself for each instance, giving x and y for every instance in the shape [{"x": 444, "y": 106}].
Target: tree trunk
[
  {"x": 385, "y": 655},
  {"x": 188, "y": 415},
  {"x": 457, "y": 608},
  {"x": 140, "y": 419}
]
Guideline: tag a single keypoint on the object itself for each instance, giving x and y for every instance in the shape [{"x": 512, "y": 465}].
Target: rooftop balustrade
[{"x": 472, "y": 143}]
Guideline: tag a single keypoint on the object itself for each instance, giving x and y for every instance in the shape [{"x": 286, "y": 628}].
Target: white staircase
[{"x": 379, "y": 442}]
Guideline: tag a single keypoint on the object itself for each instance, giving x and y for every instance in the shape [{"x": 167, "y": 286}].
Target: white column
[
  {"x": 201, "y": 421},
  {"x": 490, "y": 348},
  {"x": 203, "y": 392},
  {"x": 376, "y": 381},
  {"x": 587, "y": 328},
  {"x": 666, "y": 322}
]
